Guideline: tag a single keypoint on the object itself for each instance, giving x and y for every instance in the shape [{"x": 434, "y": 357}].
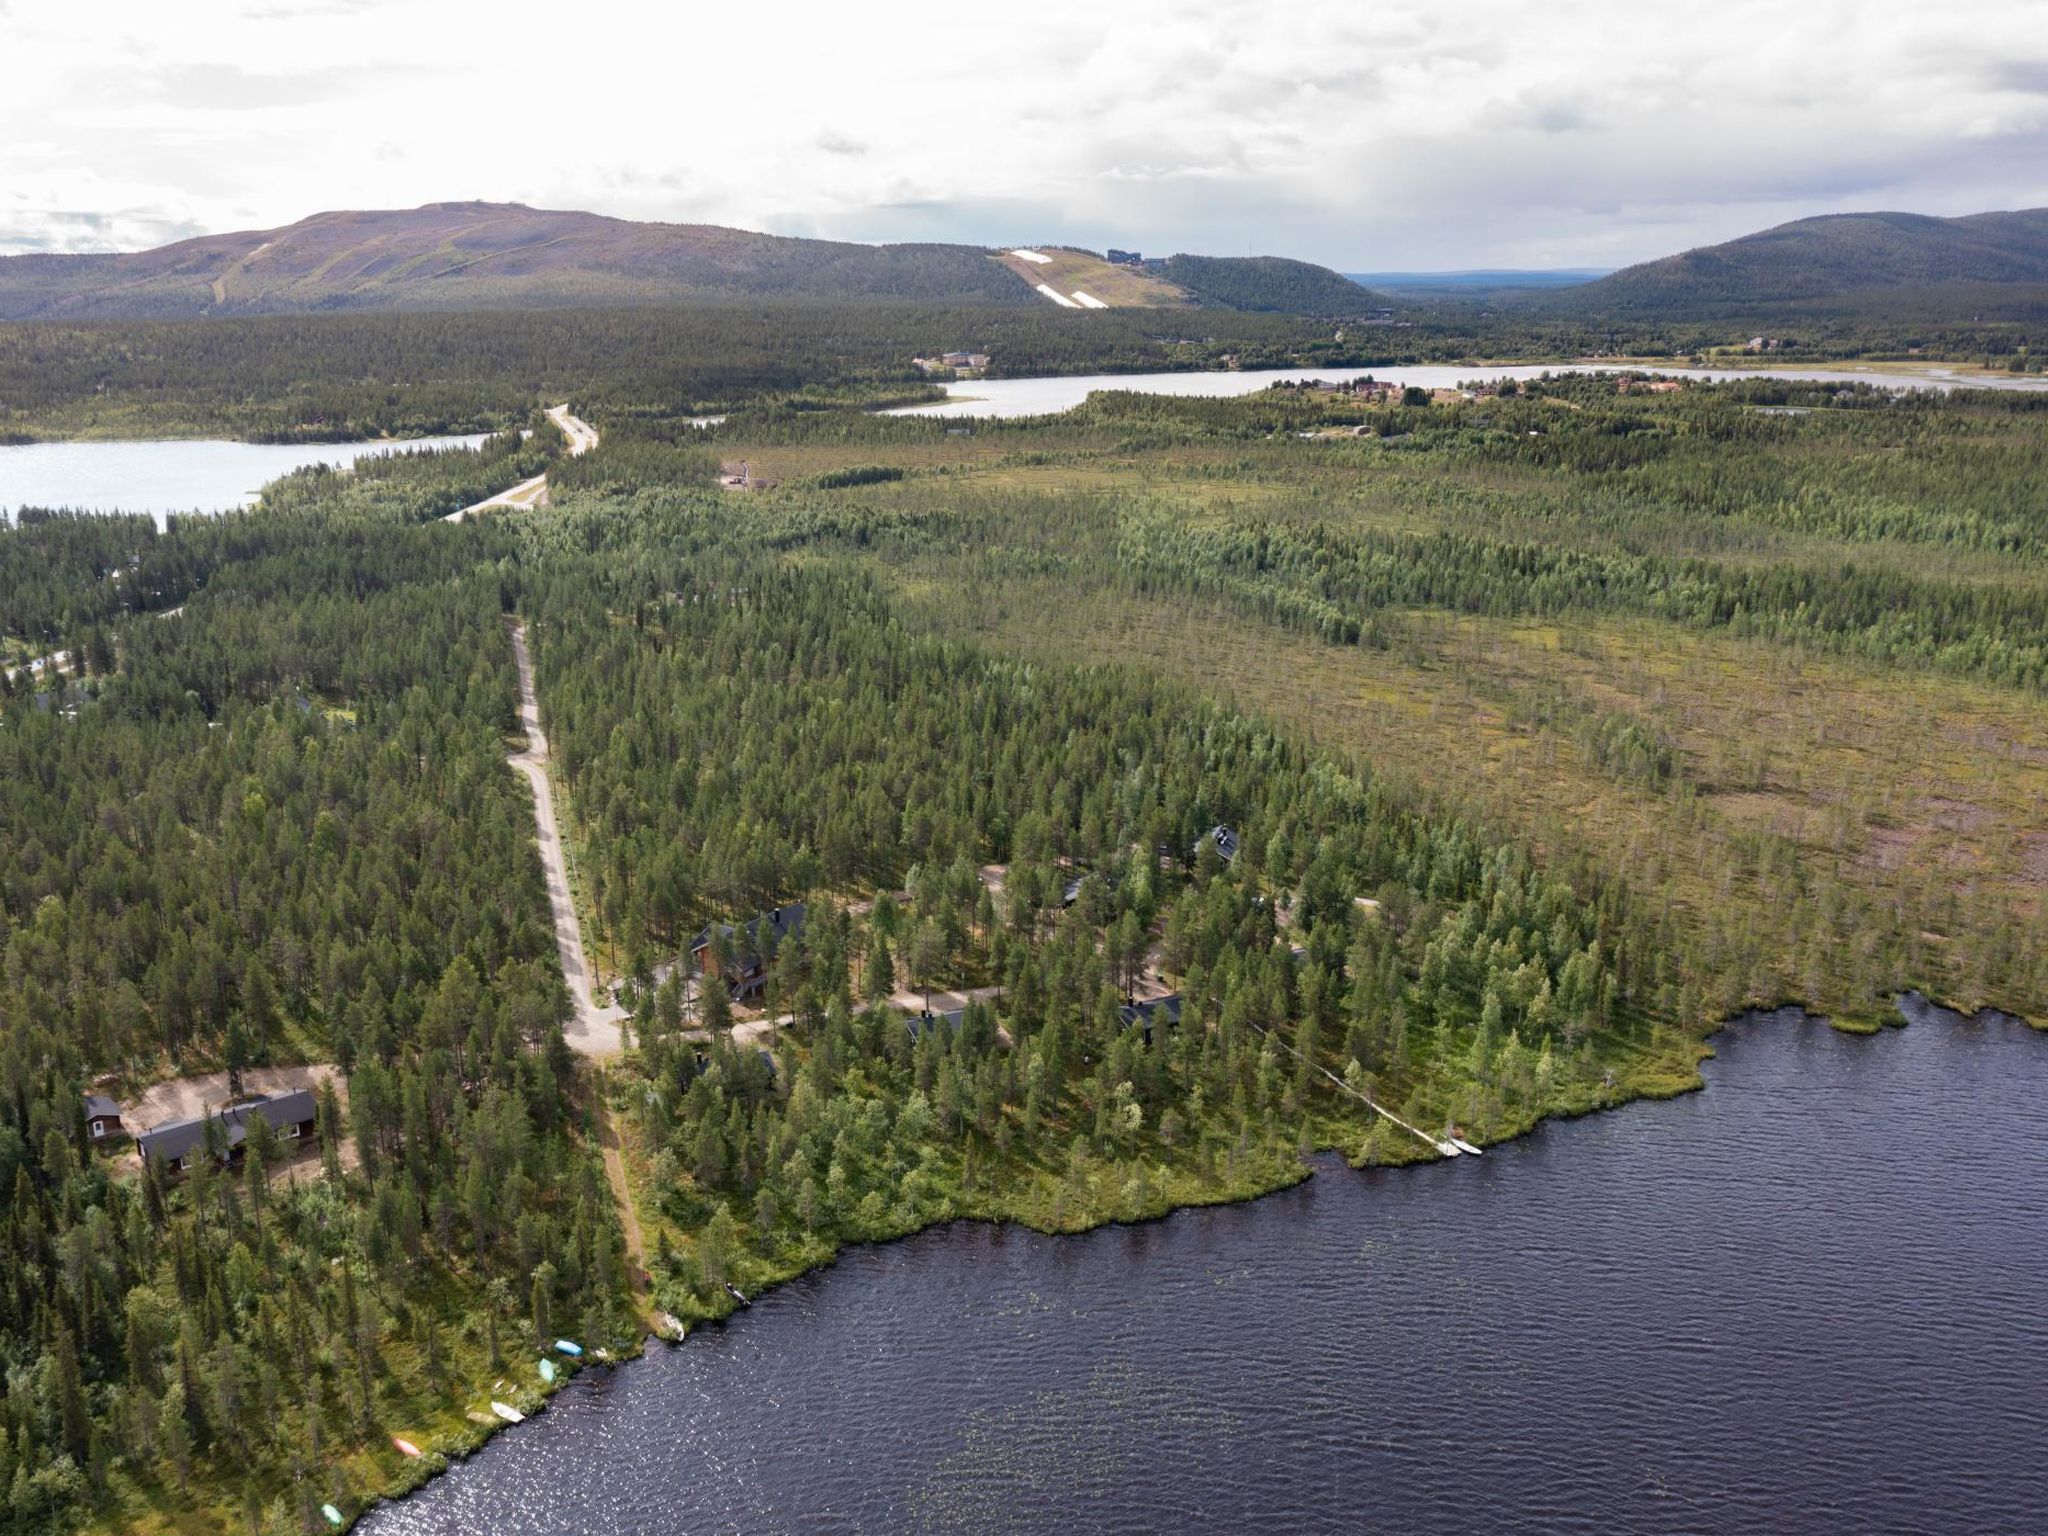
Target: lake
[
  {"x": 1807, "y": 1299},
  {"x": 1038, "y": 397},
  {"x": 179, "y": 475}
]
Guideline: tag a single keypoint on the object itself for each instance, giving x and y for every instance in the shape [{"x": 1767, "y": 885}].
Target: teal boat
[
  {"x": 333, "y": 1515},
  {"x": 568, "y": 1347},
  {"x": 547, "y": 1370}
]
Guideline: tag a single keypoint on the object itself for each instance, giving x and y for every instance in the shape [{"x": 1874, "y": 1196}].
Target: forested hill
[
  {"x": 1832, "y": 256},
  {"x": 496, "y": 255},
  {"x": 1269, "y": 283}
]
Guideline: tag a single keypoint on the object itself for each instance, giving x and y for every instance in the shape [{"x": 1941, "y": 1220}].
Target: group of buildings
[{"x": 953, "y": 362}]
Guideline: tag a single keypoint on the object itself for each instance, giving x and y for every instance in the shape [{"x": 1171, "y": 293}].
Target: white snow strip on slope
[
  {"x": 1056, "y": 296},
  {"x": 1088, "y": 300},
  {"x": 1041, "y": 259}
]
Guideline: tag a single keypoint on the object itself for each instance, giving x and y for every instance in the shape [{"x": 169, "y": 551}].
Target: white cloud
[{"x": 1494, "y": 132}]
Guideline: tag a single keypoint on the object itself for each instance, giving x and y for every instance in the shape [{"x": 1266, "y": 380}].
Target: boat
[
  {"x": 406, "y": 1447},
  {"x": 568, "y": 1347},
  {"x": 507, "y": 1412},
  {"x": 1463, "y": 1145},
  {"x": 1448, "y": 1149},
  {"x": 737, "y": 1294},
  {"x": 547, "y": 1370},
  {"x": 333, "y": 1515}
]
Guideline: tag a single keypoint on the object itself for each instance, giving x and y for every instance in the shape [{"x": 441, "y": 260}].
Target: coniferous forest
[{"x": 1172, "y": 789}]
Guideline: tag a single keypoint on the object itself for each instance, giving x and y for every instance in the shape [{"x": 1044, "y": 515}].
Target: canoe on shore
[
  {"x": 508, "y": 1413},
  {"x": 406, "y": 1447},
  {"x": 568, "y": 1347}
]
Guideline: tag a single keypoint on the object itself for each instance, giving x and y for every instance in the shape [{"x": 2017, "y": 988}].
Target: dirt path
[
  {"x": 594, "y": 1030},
  {"x": 582, "y": 438},
  {"x": 637, "y": 1278}
]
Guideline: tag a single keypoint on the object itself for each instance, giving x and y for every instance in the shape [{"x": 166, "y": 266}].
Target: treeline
[{"x": 334, "y": 377}]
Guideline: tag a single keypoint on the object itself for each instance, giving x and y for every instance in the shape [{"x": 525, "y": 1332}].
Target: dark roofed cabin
[
  {"x": 175, "y": 1146},
  {"x": 103, "y": 1118},
  {"x": 918, "y": 1023},
  {"x": 1224, "y": 839},
  {"x": 752, "y": 946},
  {"x": 1164, "y": 1009}
]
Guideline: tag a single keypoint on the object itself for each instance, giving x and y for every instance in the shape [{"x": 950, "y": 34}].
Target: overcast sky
[{"x": 1369, "y": 136}]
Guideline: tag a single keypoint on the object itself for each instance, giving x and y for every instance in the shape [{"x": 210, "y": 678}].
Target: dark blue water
[{"x": 1806, "y": 1300}]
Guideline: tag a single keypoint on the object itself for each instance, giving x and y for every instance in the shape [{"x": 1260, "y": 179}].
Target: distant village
[{"x": 1368, "y": 390}]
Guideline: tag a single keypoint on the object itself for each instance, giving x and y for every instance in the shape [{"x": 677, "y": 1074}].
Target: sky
[{"x": 1364, "y": 135}]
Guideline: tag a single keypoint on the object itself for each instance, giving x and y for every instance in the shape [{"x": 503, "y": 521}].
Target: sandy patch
[{"x": 187, "y": 1098}]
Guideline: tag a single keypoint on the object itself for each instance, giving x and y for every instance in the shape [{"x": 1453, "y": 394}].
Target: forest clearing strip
[{"x": 594, "y": 1029}]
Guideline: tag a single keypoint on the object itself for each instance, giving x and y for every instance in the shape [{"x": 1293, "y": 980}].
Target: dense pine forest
[
  {"x": 1173, "y": 788},
  {"x": 277, "y": 827},
  {"x": 336, "y": 377}
]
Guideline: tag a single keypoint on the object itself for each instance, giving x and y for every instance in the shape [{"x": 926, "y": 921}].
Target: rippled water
[
  {"x": 1806, "y": 1300},
  {"x": 1038, "y": 397},
  {"x": 193, "y": 475}
]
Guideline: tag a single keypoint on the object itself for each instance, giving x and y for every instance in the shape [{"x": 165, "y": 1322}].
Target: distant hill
[
  {"x": 483, "y": 255},
  {"x": 496, "y": 255},
  {"x": 1266, "y": 283},
  {"x": 1833, "y": 256}
]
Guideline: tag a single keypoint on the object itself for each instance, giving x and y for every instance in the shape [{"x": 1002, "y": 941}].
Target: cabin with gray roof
[
  {"x": 1161, "y": 1010},
  {"x": 751, "y": 947},
  {"x": 176, "y": 1146}
]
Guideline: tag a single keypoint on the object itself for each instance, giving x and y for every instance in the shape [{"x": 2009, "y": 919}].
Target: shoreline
[{"x": 1305, "y": 1166}]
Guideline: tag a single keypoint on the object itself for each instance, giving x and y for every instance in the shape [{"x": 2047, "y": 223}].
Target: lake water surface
[
  {"x": 1805, "y": 1300},
  {"x": 178, "y": 475},
  {"x": 1038, "y": 397}
]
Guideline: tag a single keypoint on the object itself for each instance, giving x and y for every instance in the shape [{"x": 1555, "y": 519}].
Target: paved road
[
  {"x": 594, "y": 1030},
  {"x": 534, "y": 493}
]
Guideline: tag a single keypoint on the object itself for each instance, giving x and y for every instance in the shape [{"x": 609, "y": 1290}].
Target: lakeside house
[
  {"x": 740, "y": 956},
  {"x": 176, "y": 1146},
  {"x": 103, "y": 1118}
]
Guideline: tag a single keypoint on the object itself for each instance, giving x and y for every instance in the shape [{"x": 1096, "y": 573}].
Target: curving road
[
  {"x": 594, "y": 1028},
  {"x": 534, "y": 493}
]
